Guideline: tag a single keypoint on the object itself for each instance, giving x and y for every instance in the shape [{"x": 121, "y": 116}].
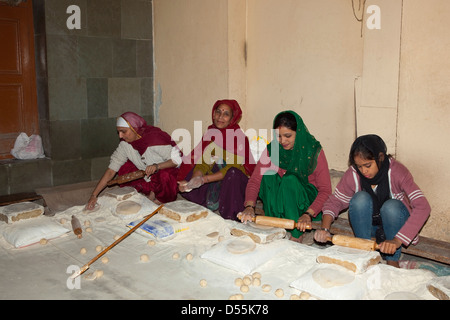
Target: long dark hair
[{"x": 369, "y": 147}]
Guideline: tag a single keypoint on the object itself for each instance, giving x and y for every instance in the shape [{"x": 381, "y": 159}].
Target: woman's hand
[
  {"x": 247, "y": 215},
  {"x": 182, "y": 186},
  {"x": 149, "y": 170},
  {"x": 91, "y": 202},
  {"x": 322, "y": 235},
  {"x": 390, "y": 246},
  {"x": 304, "y": 222},
  {"x": 195, "y": 182}
]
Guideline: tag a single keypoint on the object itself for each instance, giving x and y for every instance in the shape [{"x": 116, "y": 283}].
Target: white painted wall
[{"x": 305, "y": 55}]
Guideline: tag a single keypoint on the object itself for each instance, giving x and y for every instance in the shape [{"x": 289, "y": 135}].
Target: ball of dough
[
  {"x": 221, "y": 238},
  {"x": 236, "y": 297},
  {"x": 99, "y": 273},
  {"x": 279, "y": 293},
  {"x": 256, "y": 275},
  {"x": 116, "y": 237},
  {"x": 247, "y": 280},
  {"x": 203, "y": 283},
  {"x": 189, "y": 256},
  {"x": 144, "y": 257},
  {"x": 83, "y": 251},
  {"x": 98, "y": 248},
  {"x": 304, "y": 295},
  {"x": 256, "y": 282},
  {"x": 87, "y": 223},
  {"x": 244, "y": 288},
  {"x": 151, "y": 242},
  {"x": 88, "y": 229},
  {"x": 294, "y": 297},
  {"x": 175, "y": 256},
  {"x": 105, "y": 260},
  {"x": 63, "y": 220},
  {"x": 266, "y": 287},
  {"x": 43, "y": 241},
  {"x": 239, "y": 282}
]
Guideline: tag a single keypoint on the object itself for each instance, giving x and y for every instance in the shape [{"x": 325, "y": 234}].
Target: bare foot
[
  {"x": 299, "y": 239},
  {"x": 395, "y": 264},
  {"x": 151, "y": 196}
]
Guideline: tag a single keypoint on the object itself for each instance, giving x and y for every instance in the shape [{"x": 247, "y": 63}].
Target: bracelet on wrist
[
  {"x": 250, "y": 206},
  {"x": 157, "y": 167},
  {"x": 325, "y": 229},
  {"x": 309, "y": 214}
]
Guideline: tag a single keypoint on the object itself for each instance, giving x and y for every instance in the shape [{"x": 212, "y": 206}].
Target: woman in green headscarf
[{"x": 291, "y": 178}]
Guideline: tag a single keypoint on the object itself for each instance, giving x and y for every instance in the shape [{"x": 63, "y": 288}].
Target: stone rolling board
[
  {"x": 18, "y": 211},
  {"x": 183, "y": 211},
  {"x": 258, "y": 233}
]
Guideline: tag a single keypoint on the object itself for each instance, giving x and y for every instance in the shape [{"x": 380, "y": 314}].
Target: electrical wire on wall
[{"x": 361, "y": 10}]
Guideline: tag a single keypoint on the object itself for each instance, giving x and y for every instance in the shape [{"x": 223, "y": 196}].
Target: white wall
[{"x": 305, "y": 55}]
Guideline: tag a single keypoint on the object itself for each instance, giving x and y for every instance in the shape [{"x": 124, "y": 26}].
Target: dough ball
[
  {"x": 189, "y": 256},
  {"x": 279, "y": 293},
  {"x": 116, "y": 237},
  {"x": 266, "y": 287},
  {"x": 236, "y": 297},
  {"x": 247, "y": 280},
  {"x": 304, "y": 295},
  {"x": 99, "y": 273},
  {"x": 244, "y": 288},
  {"x": 90, "y": 276},
  {"x": 88, "y": 229},
  {"x": 239, "y": 282},
  {"x": 256, "y": 275},
  {"x": 175, "y": 256},
  {"x": 87, "y": 223},
  {"x": 63, "y": 220},
  {"x": 144, "y": 257},
  {"x": 105, "y": 260},
  {"x": 151, "y": 242},
  {"x": 221, "y": 238},
  {"x": 98, "y": 248},
  {"x": 83, "y": 251},
  {"x": 256, "y": 282},
  {"x": 43, "y": 241},
  {"x": 203, "y": 283}
]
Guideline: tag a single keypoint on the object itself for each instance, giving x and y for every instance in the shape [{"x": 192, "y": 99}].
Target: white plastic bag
[{"x": 28, "y": 147}]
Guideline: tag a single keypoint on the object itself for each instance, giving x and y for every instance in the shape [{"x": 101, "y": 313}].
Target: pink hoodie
[{"x": 402, "y": 187}]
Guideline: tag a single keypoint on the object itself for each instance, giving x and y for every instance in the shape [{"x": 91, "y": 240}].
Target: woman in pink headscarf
[
  {"x": 143, "y": 147},
  {"x": 215, "y": 173}
]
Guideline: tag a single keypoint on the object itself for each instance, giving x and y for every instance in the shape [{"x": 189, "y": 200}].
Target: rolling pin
[
  {"x": 276, "y": 222},
  {"x": 339, "y": 240},
  {"x": 127, "y": 177}
]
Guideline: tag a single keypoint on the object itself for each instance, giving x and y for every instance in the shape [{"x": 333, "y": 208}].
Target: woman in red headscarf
[
  {"x": 215, "y": 173},
  {"x": 143, "y": 147}
]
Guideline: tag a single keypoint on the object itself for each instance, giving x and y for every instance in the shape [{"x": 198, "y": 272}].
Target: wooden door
[{"x": 18, "y": 104}]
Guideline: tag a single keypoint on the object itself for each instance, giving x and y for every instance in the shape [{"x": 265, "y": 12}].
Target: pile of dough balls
[{"x": 245, "y": 283}]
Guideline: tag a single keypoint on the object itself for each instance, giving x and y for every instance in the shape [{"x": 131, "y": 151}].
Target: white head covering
[{"x": 122, "y": 123}]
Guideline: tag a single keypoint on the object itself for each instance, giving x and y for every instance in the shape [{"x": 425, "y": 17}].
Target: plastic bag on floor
[{"x": 28, "y": 147}]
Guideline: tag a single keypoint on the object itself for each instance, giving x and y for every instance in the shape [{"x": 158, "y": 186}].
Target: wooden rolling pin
[
  {"x": 87, "y": 265},
  {"x": 127, "y": 177},
  {"x": 276, "y": 222},
  {"x": 339, "y": 240}
]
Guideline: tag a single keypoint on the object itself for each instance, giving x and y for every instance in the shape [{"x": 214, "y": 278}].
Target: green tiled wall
[{"x": 85, "y": 78}]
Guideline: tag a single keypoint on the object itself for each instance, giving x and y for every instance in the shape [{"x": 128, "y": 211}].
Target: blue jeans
[{"x": 393, "y": 214}]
